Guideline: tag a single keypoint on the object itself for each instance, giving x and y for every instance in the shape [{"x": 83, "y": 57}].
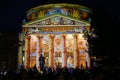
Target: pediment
[{"x": 57, "y": 20}]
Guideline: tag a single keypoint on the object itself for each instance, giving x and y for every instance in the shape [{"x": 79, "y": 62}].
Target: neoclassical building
[{"x": 58, "y": 32}]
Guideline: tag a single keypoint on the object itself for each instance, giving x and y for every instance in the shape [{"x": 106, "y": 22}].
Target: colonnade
[{"x": 51, "y": 51}]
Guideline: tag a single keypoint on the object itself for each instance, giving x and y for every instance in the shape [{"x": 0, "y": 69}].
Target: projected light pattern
[{"x": 60, "y": 33}]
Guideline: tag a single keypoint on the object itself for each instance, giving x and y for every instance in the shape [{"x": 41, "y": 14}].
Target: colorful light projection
[
  {"x": 59, "y": 32},
  {"x": 75, "y": 11}
]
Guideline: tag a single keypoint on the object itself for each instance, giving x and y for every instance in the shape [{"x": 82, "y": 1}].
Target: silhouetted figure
[{"x": 42, "y": 62}]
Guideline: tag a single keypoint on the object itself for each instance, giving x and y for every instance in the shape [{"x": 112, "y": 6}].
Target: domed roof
[
  {"x": 72, "y": 10},
  {"x": 59, "y": 5}
]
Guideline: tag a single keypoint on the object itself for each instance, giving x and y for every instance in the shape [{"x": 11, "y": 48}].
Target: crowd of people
[{"x": 47, "y": 73}]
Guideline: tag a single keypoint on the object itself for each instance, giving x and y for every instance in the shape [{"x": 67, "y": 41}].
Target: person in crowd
[{"x": 42, "y": 62}]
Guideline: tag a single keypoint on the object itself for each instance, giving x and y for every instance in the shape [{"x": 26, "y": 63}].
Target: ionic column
[
  {"x": 30, "y": 48},
  {"x": 39, "y": 44},
  {"x": 20, "y": 51},
  {"x": 38, "y": 51},
  {"x": 65, "y": 54},
  {"x": 27, "y": 51},
  {"x": 51, "y": 59},
  {"x": 87, "y": 55},
  {"x": 76, "y": 55},
  {"x": 20, "y": 58}
]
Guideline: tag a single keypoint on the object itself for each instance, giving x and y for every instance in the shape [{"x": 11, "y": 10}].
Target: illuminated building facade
[{"x": 59, "y": 32}]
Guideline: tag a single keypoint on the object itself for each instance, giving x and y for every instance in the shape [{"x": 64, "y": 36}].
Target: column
[
  {"x": 31, "y": 48},
  {"x": 51, "y": 55},
  {"x": 76, "y": 55},
  {"x": 20, "y": 58},
  {"x": 65, "y": 54},
  {"x": 27, "y": 51},
  {"x": 20, "y": 52},
  {"x": 39, "y": 50},
  {"x": 87, "y": 55},
  {"x": 39, "y": 44}
]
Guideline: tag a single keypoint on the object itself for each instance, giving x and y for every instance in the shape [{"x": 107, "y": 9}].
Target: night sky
[{"x": 106, "y": 19}]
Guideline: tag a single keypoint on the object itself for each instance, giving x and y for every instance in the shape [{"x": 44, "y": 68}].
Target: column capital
[
  {"x": 64, "y": 36},
  {"x": 39, "y": 36},
  {"x": 28, "y": 36},
  {"x": 75, "y": 36},
  {"x": 51, "y": 36}
]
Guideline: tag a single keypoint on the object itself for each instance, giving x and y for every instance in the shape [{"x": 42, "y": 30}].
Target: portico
[{"x": 58, "y": 34}]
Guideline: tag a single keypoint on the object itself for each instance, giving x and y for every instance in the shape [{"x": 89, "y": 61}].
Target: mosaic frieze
[{"x": 57, "y": 20}]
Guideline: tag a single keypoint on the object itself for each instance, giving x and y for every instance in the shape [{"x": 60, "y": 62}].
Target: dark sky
[{"x": 106, "y": 19}]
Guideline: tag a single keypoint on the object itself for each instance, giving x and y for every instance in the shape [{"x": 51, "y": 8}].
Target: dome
[{"x": 71, "y": 10}]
